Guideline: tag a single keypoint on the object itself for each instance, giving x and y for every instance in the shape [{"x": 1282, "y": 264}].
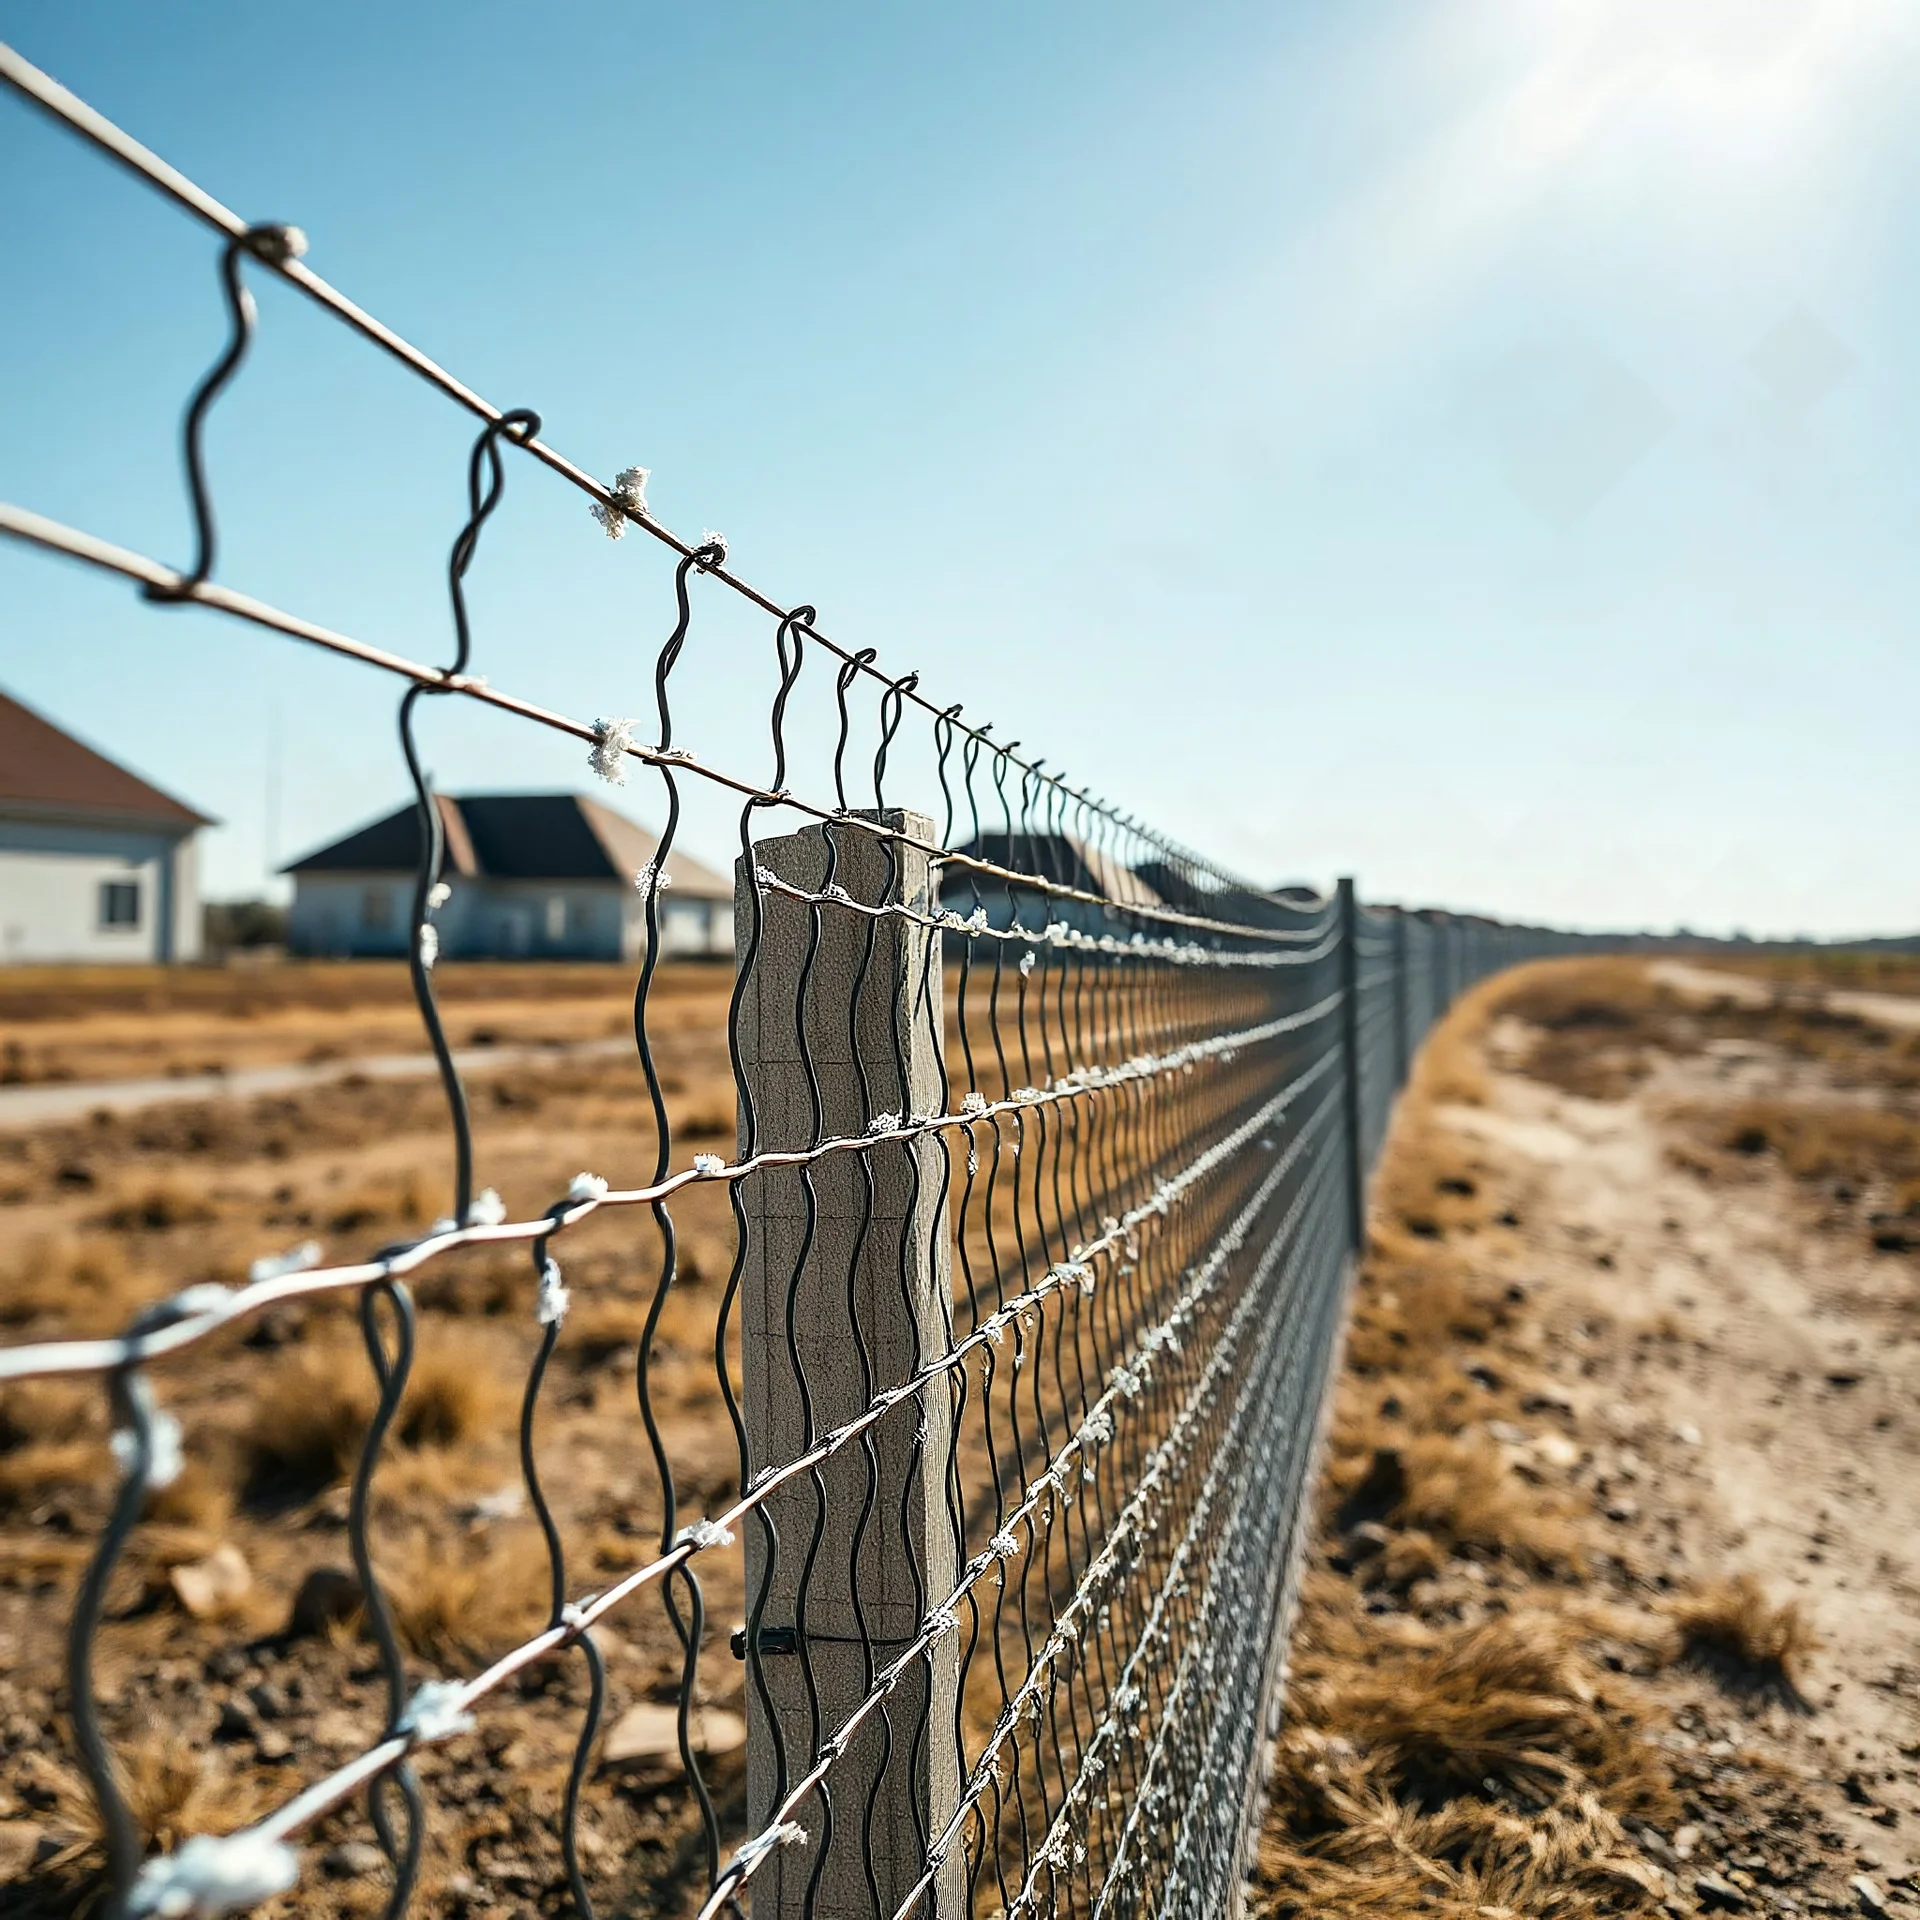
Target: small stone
[
  {"x": 351, "y": 1859},
  {"x": 1687, "y": 1434},
  {"x": 327, "y": 1595},
  {"x": 1622, "y": 1509},
  {"x": 652, "y": 1732},
  {"x": 1866, "y": 1891},
  {"x": 273, "y": 1746},
  {"x": 1717, "y": 1895},
  {"x": 213, "y": 1586}
]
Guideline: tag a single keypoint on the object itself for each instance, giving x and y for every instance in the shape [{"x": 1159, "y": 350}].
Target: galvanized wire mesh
[{"x": 1018, "y": 1543}]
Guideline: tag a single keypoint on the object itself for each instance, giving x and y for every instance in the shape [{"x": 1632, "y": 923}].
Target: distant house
[
  {"x": 1063, "y": 858},
  {"x": 530, "y": 876},
  {"x": 95, "y": 864}
]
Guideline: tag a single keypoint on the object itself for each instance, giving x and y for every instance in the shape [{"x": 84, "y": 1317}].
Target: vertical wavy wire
[
  {"x": 557, "y": 1580},
  {"x": 789, "y": 633},
  {"x": 132, "y": 1412},
  {"x": 682, "y": 1583}
]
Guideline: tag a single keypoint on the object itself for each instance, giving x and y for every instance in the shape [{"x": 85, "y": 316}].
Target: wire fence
[{"x": 1051, "y": 1149}]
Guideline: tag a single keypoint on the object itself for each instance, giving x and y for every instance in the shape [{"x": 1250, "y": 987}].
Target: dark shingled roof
[
  {"x": 517, "y": 836},
  {"x": 44, "y": 770},
  {"x": 1061, "y": 857}
]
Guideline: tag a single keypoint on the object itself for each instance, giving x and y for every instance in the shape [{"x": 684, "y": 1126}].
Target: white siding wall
[
  {"x": 688, "y": 924},
  {"x": 51, "y": 875},
  {"x": 499, "y": 919}
]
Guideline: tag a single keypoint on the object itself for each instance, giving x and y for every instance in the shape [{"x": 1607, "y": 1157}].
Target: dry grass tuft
[
  {"x": 1823, "y": 1141},
  {"x": 454, "y": 1395},
  {"x": 51, "y": 1443},
  {"x": 310, "y": 1418},
  {"x": 479, "y": 1285},
  {"x": 1596, "y": 1023},
  {"x": 452, "y": 1606},
  {"x": 82, "y": 1284},
  {"x": 1449, "y": 1749},
  {"x": 156, "y": 1206},
  {"x": 601, "y": 1329},
  {"x": 1472, "y": 1770},
  {"x": 1733, "y": 1631},
  {"x": 401, "y": 1200}
]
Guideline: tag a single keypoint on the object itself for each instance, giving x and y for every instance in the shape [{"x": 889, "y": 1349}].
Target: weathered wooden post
[{"x": 844, "y": 1294}]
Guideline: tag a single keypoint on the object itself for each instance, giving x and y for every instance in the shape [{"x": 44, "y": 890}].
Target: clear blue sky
[{"x": 1472, "y": 443}]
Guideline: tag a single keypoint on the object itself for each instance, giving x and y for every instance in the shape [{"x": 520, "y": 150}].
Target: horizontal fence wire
[{"x": 1049, "y": 1173}]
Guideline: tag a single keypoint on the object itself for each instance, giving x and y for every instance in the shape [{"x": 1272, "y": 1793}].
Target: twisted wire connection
[{"x": 1049, "y": 1173}]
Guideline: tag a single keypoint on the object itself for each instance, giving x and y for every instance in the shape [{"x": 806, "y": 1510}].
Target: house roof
[
  {"x": 1064, "y": 858},
  {"x": 517, "y": 836},
  {"x": 45, "y": 770}
]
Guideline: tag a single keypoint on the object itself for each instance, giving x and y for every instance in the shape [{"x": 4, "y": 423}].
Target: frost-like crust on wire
[
  {"x": 486, "y": 1209},
  {"x": 612, "y": 740},
  {"x": 629, "y": 492},
  {"x": 436, "y": 1712},
  {"x": 206, "y": 1877},
  {"x": 788, "y": 1833},
  {"x": 276, "y": 1266},
  {"x": 554, "y": 1296},
  {"x": 166, "y": 1450}
]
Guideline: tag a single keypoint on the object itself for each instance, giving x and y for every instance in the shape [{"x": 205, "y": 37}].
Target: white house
[
  {"x": 95, "y": 864},
  {"x": 529, "y": 876}
]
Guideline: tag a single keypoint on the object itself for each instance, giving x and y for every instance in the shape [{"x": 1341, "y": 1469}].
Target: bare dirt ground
[
  {"x": 1640, "y": 1322},
  {"x": 1615, "y": 1604},
  {"x": 222, "y": 1690}
]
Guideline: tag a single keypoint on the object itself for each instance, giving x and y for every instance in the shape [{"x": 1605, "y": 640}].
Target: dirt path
[
  {"x": 1747, "y": 1386},
  {"x": 1630, "y": 1403}
]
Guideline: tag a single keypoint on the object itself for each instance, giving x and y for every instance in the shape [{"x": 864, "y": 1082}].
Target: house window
[
  {"x": 579, "y": 917},
  {"x": 556, "y": 917},
  {"x": 376, "y": 909},
  {"x": 119, "y": 903}
]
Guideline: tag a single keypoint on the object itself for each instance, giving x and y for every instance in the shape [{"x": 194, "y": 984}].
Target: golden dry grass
[
  {"x": 310, "y": 1417},
  {"x": 1825, "y": 1140},
  {"x": 1466, "y": 1759},
  {"x": 1736, "y": 1632},
  {"x": 464, "y": 1605},
  {"x": 1596, "y": 1023},
  {"x": 1454, "y": 1772},
  {"x": 1868, "y": 971}
]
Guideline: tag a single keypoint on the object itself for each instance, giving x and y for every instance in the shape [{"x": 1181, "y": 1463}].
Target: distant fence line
[{"x": 1052, "y": 1147}]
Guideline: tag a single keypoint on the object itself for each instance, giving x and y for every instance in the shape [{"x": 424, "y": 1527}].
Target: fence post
[
  {"x": 1349, "y": 921},
  {"x": 1402, "y": 1019},
  {"x": 857, "y": 1282}
]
